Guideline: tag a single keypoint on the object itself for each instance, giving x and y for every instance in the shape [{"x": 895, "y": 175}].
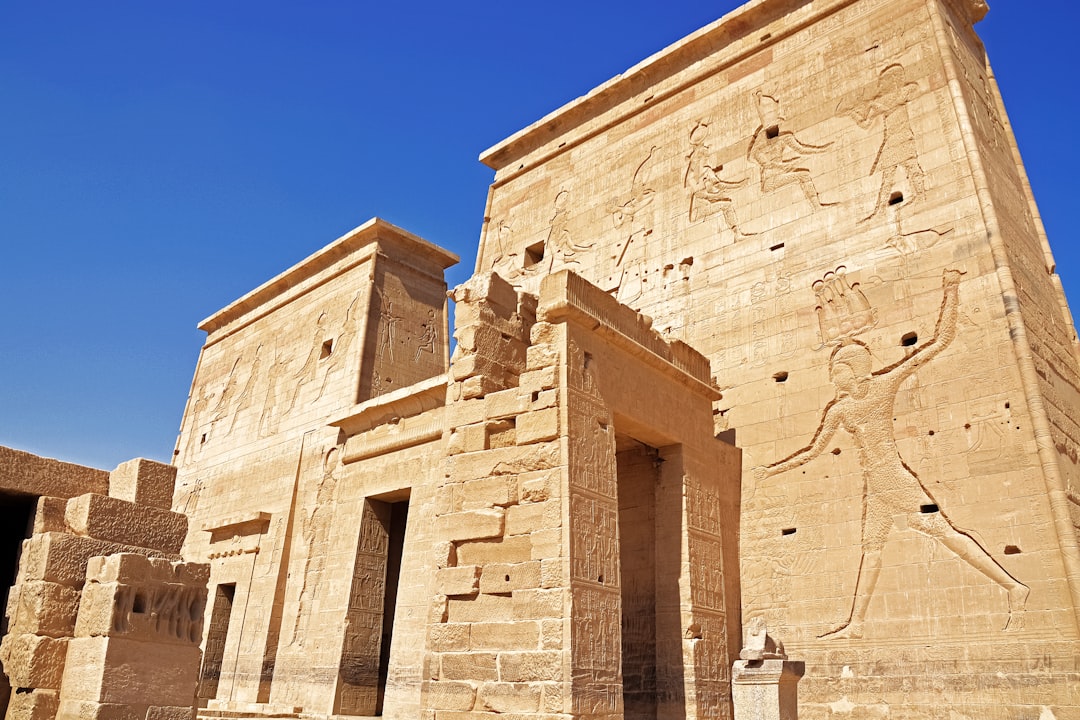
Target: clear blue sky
[{"x": 158, "y": 160}]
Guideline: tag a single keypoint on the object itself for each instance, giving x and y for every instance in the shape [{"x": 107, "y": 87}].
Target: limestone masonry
[{"x": 763, "y": 402}]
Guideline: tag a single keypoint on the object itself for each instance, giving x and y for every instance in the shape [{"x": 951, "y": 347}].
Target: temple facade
[{"x": 763, "y": 333}]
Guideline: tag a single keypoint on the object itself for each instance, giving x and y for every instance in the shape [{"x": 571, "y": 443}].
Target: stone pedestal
[{"x": 766, "y": 689}]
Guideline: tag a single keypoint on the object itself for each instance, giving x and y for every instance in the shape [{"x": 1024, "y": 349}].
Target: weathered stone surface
[
  {"x": 42, "y": 608},
  {"x": 33, "y": 661},
  {"x": 116, "y": 670},
  {"x": 25, "y": 473},
  {"x": 143, "y": 482},
  {"x": 108, "y": 518}
]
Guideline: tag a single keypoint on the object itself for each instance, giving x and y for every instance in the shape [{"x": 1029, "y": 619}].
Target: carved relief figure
[
  {"x": 339, "y": 350},
  {"x": 429, "y": 337},
  {"x": 635, "y": 211},
  {"x": 310, "y": 368},
  {"x": 221, "y": 409},
  {"x": 269, "y": 418},
  {"x": 388, "y": 322},
  {"x": 891, "y": 491},
  {"x": 315, "y": 529},
  {"x": 842, "y": 309},
  {"x": 246, "y": 397},
  {"x": 559, "y": 240},
  {"x": 499, "y": 231},
  {"x": 777, "y": 153},
  {"x": 897, "y": 149},
  {"x": 197, "y": 410},
  {"x": 705, "y": 184}
]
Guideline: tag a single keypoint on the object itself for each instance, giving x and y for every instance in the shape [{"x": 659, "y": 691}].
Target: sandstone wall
[{"x": 803, "y": 176}]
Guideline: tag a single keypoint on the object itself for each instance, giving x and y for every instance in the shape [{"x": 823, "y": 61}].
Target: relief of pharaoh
[{"x": 892, "y": 494}]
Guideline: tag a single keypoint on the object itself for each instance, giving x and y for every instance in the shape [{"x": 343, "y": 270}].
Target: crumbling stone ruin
[{"x": 763, "y": 333}]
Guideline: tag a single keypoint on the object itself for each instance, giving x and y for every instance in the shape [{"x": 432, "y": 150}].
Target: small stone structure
[
  {"x": 76, "y": 644},
  {"x": 764, "y": 683}
]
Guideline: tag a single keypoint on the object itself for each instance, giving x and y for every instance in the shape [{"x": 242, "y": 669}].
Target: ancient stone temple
[{"x": 763, "y": 333}]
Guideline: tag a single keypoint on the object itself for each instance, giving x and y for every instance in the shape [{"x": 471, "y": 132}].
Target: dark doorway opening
[
  {"x": 398, "y": 513},
  {"x": 216, "y": 637},
  {"x": 17, "y": 511},
  {"x": 637, "y": 466}
]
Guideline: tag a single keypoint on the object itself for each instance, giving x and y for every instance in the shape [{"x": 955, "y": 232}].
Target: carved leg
[
  {"x": 869, "y": 570},
  {"x": 938, "y": 527}
]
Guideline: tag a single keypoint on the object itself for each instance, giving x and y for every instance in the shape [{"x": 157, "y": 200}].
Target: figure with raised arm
[{"x": 864, "y": 408}]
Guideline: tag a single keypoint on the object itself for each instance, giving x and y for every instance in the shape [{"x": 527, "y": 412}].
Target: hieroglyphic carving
[
  {"x": 891, "y": 490},
  {"x": 364, "y": 618},
  {"x": 702, "y": 179},
  {"x": 897, "y": 149},
  {"x": 777, "y": 153},
  {"x": 594, "y": 533},
  {"x": 597, "y": 642},
  {"x": 842, "y": 309},
  {"x": 171, "y": 611}
]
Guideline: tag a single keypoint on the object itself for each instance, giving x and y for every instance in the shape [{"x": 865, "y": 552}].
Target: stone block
[
  {"x": 49, "y": 515},
  {"x": 445, "y": 554},
  {"x": 488, "y": 290},
  {"x": 158, "y": 712},
  {"x": 530, "y": 666},
  {"x": 505, "y": 697},
  {"x": 449, "y": 637},
  {"x": 551, "y": 634},
  {"x": 36, "y": 704},
  {"x": 521, "y": 635},
  {"x": 506, "y": 403},
  {"x": 89, "y": 710},
  {"x": 497, "y": 491},
  {"x": 449, "y": 695},
  {"x": 507, "y": 577},
  {"x": 507, "y": 549},
  {"x": 144, "y": 482},
  {"x": 477, "y": 386},
  {"x": 546, "y": 544},
  {"x": 62, "y": 558},
  {"x": 33, "y": 661},
  {"x": 116, "y": 670},
  {"x": 538, "y": 426},
  {"x": 470, "y": 525},
  {"x": 43, "y": 608},
  {"x": 540, "y": 356},
  {"x": 469, "y": 438},
  {"x": 532, "y": 381},
  {"x": 108, "y": 518},
  {"x": 538, "y": 604},
  {"x": 127, "y": 567},
  {"x": 164, "y": 613},
  {"x": 453, "y": 581},
  {"x": 475, "y": 666},
  {"x": 532, "y": 516}
]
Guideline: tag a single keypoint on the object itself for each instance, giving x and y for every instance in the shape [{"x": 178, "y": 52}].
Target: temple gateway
[{"x": 762, "y": 403}]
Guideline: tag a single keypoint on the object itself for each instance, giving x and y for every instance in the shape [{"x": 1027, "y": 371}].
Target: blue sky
[{"x": 158, "y": 160}]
